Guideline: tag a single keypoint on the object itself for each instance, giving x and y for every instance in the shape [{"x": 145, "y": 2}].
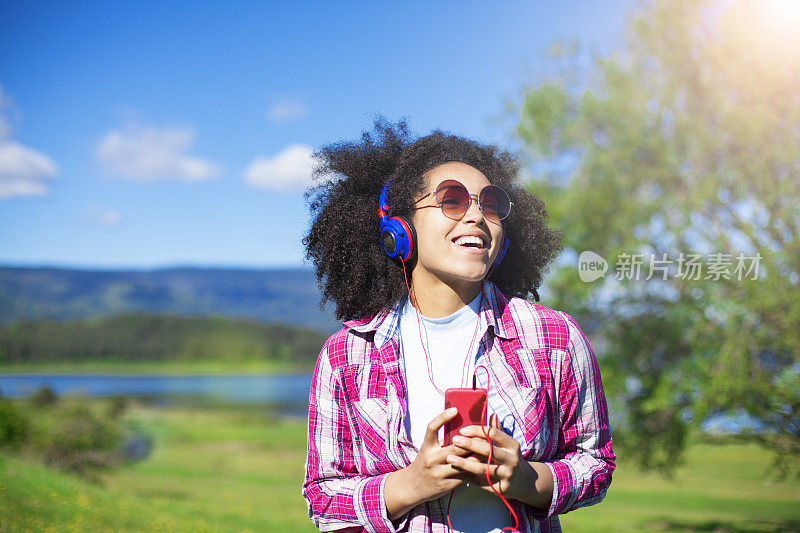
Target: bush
[
  {"x": 14, "y": 426},
  {"x": 44, "y": 396},
  {"x": 117, "y": 406},
  {"x": 73, "y": 433},
  {"x": 81, "y": 441}
]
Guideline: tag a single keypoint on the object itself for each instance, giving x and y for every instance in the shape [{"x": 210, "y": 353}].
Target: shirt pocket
[{"x": 363, "y": 381}]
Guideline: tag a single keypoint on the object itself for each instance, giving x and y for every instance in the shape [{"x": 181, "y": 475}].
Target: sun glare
[
  {"x": 765, "y": 29},
  {"x": 783, "y": 16}
]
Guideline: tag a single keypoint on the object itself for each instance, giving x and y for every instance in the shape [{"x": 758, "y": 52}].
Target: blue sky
[{"x": 152, "y": 134}]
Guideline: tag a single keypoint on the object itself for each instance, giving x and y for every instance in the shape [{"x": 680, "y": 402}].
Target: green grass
[
  {"x": 238, "y": 470},
  {"x": 211, "y": 470},
  {"x": 722, "y": 487}
]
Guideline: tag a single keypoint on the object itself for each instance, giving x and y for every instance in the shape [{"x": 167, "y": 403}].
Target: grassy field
[
  {"x": 239, "y": 470},
  {"x": 722, "y": 487}
]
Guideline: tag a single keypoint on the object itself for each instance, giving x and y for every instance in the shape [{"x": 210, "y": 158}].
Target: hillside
[{"x": 287, "y": 296}]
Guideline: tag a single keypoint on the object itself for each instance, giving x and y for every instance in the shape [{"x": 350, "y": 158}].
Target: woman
[{"x": 427, "y": 247}]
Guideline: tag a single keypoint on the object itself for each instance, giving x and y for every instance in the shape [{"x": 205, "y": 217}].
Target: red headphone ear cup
[
  {"x": 398, "y": 237},
  {"x": 410, "y": 250}
]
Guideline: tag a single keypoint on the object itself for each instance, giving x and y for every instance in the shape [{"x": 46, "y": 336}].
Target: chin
[{"x": 470, "y": 276}]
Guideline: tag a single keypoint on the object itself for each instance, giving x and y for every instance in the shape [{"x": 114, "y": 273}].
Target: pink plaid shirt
[{"x": 545, "y": 387}]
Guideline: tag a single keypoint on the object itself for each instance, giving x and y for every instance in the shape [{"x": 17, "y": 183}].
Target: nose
[{"x": 474, "y": 212}]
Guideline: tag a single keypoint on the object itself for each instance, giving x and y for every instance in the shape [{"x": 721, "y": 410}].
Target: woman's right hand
[{"x": 429, "y": 476}]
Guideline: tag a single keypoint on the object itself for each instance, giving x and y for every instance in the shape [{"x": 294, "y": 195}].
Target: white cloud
[
  {"x": 289, "y": 170},
  {"x": 101, "y": 216},
  {"x": 151, "y": 154},
  {"x": 106, "y": 217},
  {"x": 23, "y": 170},
  {"x": 20, "y": 162},
  {"x": 287, "y": 111},
  {"x": 21, "y": 187}
]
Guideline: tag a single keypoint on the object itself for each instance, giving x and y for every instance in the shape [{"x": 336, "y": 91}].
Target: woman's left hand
[{"x": 511, "y": 475}]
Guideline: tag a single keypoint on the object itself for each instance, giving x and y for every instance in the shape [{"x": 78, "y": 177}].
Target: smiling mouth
[{"x": 470, "y": 241}]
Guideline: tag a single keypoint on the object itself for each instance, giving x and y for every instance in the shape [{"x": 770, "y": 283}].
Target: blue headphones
[
  {"x": 399, "y": 238},
  {"x": 502, "y": 253}
]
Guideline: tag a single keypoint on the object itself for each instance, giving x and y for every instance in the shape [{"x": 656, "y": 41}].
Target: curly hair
[{"x": 352, "y": 268}]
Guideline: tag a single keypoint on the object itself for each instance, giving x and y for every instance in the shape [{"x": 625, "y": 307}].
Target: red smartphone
[{"x": 471, "y": 405}]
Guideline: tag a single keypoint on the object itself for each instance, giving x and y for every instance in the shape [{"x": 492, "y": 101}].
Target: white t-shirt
[{"x": 452, "y": 363}]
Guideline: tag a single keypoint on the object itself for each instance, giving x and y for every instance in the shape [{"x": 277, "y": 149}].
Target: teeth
[{"x": 469, "y": 239}]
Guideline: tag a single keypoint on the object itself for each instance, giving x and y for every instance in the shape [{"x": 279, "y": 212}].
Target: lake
[{"x": 286, "y": 393}]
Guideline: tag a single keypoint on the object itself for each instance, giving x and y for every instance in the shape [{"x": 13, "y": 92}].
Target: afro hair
[{"x": 343, "y": 242}]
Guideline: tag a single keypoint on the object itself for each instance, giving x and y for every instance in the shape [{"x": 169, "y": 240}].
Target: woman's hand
[
  {"x": 429, "y": 476},
  {"x": 511, "y": 475}
]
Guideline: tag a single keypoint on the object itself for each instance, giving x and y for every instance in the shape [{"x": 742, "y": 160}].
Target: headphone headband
[{"x": 383, "y": 204}]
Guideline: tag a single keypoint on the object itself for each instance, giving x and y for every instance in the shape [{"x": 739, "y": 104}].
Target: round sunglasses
[{"x": 454, "y": 199}]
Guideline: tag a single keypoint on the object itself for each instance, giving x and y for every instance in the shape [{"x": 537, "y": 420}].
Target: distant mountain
[{"x": 288, "y": 296}]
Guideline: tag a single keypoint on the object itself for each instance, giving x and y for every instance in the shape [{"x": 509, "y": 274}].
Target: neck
[{"x": 437, "y": 299}]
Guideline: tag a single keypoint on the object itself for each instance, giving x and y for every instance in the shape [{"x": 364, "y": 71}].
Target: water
[{"x": 286, "y": 393}]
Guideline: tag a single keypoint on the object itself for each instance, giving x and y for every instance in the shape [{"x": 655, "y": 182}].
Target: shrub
[
  {"x": 78, "y": 439},
  {"x": 73, "y": 433},
  {"x": 117, "y": 406},
  {"x": 14, "y": 426},
  {"x": 44, "y": 396}
]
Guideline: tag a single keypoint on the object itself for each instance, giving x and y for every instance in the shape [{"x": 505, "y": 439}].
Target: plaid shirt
[{"x": 545, "y": 387}]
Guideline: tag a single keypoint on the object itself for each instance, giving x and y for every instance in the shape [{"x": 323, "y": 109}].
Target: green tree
[{"x": 685, "y": 142}]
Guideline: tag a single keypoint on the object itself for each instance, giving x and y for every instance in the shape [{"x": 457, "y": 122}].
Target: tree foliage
[
  {"x": 686, "y": 142},
  {"x": 157, "y": 338}
]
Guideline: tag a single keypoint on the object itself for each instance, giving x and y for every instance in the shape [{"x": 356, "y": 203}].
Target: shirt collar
[{"x": 386, "y": 323}]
